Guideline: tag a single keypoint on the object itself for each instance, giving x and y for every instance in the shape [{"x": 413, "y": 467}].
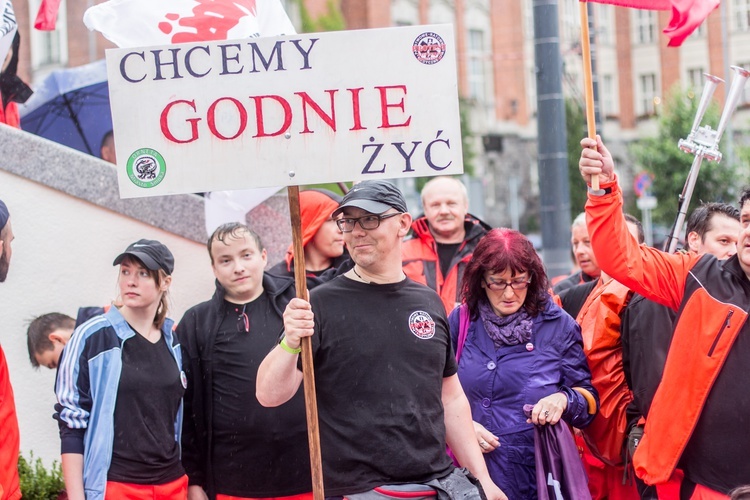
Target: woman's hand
[
  {"x": 549, "y": 410},
  {"x": 487, "y": 441}
]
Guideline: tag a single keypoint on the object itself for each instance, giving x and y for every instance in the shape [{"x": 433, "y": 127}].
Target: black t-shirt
[
  {"x": 446, "y": 252},
  {"x": 380, "y": 355},
  {"x": 148, "y": 398},
  {"x": 716, "y": 455},
  {"x": 257, "y": 451}
]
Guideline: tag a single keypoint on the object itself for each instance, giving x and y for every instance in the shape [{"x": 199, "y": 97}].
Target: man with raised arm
[
  {"x": 697, "y": 414},
  {"x": 388, "y": 395}
]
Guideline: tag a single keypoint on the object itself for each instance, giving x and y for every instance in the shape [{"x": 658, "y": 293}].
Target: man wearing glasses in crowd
[{"x": 388, "y": 395}]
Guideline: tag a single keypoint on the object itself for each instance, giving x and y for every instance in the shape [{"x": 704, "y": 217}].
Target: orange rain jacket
[
  {"x": 709, "y": 295},
  {"x": 420, "y": 259},
  {"x": 600, "y": 326}
]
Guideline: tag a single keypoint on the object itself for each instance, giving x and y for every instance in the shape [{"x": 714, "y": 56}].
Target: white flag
[
  {"x": 8, "y": 28},
  {"x": 136, "y": 23}
]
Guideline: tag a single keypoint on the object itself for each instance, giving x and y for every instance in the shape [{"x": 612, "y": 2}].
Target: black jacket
[
  {"x": 197, "y": 334},
  {"x": 646, "y": 332}
]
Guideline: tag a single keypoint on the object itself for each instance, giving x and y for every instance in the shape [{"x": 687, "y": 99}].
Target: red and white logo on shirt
[{"x": 422, "y": 325}]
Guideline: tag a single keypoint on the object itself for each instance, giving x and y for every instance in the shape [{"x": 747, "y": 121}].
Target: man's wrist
[{"x": 288, "y": 348}]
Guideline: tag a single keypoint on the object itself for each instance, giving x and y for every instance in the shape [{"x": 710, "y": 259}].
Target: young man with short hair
[
  {"x": 48, "y": 334},
  {"x": 232, "y": 447}
]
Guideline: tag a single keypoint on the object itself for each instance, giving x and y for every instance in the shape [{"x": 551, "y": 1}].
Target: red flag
[
  {"x": 47, "y": 15},
  {"x": 638, "y": 4},
  {"x": 687, "y": 15}
]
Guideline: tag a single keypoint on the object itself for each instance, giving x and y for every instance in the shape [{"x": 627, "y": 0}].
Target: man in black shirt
[
  {"x": 388, "y": 395},
  {"x": 231, "y": 445}
]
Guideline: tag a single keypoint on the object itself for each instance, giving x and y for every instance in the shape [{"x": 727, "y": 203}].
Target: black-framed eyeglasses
[
  {"x": 500, "y": 286},
  {"x": 368, "y": 222}
]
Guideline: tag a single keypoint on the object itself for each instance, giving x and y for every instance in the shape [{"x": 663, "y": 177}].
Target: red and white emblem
[{"x": 422, "y": 325}]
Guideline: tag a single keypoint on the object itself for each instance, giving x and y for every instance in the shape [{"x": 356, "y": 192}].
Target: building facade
[{"x": 635, "y": 70}]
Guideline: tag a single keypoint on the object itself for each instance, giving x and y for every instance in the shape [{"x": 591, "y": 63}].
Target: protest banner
[{"x": 282, "y": 111}]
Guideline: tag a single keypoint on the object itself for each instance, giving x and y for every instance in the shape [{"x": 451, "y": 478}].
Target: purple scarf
[{"x": 508, "y": 330}]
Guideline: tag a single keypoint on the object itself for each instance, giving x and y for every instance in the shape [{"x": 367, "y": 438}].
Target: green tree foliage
[
  {"x": 38, "y": 483},
  {"x": 575, "y": 123},
  {"x": 332, "y": 20},
  {"x": 661, "y": 157}
]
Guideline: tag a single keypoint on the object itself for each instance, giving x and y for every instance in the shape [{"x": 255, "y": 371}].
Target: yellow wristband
[{"x": 289, "y": 349}]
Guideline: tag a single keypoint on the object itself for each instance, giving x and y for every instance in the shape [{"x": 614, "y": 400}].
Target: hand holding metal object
[{"x": 703, "y": 142}]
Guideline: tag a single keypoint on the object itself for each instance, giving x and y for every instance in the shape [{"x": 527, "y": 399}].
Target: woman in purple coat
[{"x": 520, "y": 349}]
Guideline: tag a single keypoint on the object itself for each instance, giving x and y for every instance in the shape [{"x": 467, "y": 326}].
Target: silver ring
[
  {"x": 546, "y": 413},
  {"x": 483, "y": 444}
]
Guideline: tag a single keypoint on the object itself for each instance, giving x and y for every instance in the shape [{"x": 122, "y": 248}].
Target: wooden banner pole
[
  {"x": 588, "y": 79},
  {"x": 311, "y": 402}
]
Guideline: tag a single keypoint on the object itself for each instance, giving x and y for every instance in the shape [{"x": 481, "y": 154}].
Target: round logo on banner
[
  {"x": 422, "y": 325},
  {"x": 146, "y": 168},
  {"x": 428, "y": 48}
]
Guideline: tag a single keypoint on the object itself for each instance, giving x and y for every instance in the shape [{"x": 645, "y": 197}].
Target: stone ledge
[{"x": 94, "y": 180}]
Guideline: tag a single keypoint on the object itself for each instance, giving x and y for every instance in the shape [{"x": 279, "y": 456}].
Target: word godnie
[{"x": 199, "y": 61}]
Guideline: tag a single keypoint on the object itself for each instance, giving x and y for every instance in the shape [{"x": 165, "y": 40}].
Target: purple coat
[{"x": 498, "y": 382}]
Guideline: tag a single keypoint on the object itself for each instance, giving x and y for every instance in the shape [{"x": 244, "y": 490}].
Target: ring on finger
[
  {"x": 483, "y": 444},
  {"x": 546, "y": 413}
]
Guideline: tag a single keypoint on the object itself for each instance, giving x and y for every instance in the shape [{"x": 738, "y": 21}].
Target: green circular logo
[{"x": 146, "y": 168}]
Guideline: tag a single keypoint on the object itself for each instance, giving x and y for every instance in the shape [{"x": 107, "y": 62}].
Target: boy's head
[{"x": 46, "y": 337}]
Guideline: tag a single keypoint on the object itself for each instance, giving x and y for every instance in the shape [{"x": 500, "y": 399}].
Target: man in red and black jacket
[
  {"x": 697, "y": 414},
  {"x": 443, "y": 239}
]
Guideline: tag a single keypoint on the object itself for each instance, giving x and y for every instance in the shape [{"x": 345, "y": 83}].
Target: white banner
[{"x": 304, "y": 109}]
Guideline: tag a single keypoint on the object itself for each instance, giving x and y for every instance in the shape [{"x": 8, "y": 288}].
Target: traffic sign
[{"x": 642, "y": 183}]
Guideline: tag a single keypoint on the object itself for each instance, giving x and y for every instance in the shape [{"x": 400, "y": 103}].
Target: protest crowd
[{"x": 447, "y": 364}]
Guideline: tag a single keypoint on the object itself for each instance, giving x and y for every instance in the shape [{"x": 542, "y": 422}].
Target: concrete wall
[{"x": 62, "y": 259}]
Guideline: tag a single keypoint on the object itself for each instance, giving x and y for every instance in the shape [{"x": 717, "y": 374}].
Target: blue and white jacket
[{"x": 86, "y": 389}]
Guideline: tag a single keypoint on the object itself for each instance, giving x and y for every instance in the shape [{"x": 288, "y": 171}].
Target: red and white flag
[
  {"x": 135, "y": 23},
  {"x": 687, "y": 15}
]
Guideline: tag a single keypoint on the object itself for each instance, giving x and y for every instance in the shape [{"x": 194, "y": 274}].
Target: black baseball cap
[
  {"x": 375, "y": 197},
  {"x": 153, "y": 254}
]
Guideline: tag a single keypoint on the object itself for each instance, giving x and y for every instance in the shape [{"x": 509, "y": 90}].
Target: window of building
[
  {"x": 741, "y": 14},
  {"x": 49, "y": 48},
  {"x": 571, "y": 21},
  {"x": 645, "y": 26},
  {"x": 608, "y": 97},
  {"x": 647, "y": 88},
  {"x": 604, "y": 24},
  {"x": 477, "y": 57},
  {"x": 695, "y": 78}
]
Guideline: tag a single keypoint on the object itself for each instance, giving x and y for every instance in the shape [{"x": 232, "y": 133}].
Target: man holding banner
[{"x": 388, "y": 395}]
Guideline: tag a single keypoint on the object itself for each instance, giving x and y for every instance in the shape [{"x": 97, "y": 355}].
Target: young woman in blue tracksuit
[{"x": 119, "y": 389}]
